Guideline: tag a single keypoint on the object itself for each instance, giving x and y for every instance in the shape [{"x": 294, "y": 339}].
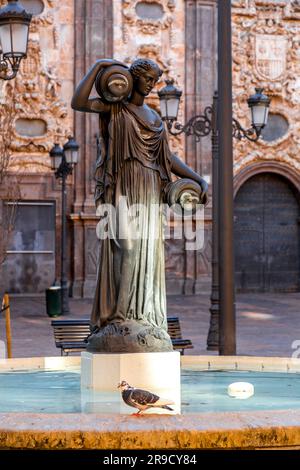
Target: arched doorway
[{"x": 267, "y": 235}]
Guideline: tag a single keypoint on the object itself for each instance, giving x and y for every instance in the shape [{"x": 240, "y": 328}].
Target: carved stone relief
[
  {"x": 270, "y": 56},
  {"x": 153, "y": 29},
  {"x": 38, "y": 88},
  {"x": 147, "y": 23},
  {"x": 289, "y": 8},
  {"x": 266, "y": 53}
]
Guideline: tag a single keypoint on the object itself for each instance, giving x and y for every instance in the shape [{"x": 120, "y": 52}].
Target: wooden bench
[
  {"x": 174, "y": 331},
  {"x": 71, "y": 335}
]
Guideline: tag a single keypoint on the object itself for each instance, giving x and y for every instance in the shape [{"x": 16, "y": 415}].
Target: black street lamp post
[
  {"x": 213, "y": 332},
  {"x": 227, "y": 317},
  {"x": 63, "y": 160},
  {"x": 201, "y": 126},
  {"x": 14, "y": 27}
]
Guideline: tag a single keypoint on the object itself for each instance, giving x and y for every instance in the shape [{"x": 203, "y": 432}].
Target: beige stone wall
[
  {"x": 137, "y": 34},
  {"x": 44, "y": 87},
  {"x": 266, "y": 52}
]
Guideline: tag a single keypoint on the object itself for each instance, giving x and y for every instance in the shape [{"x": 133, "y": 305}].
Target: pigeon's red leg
[{"x": 138, "y": 414}]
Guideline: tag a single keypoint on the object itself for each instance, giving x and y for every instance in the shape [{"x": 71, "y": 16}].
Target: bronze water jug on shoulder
[{"x": 114, "y": 83}]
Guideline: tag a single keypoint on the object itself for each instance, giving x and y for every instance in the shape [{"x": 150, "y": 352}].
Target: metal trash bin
[{"x": 53, "y": 301}]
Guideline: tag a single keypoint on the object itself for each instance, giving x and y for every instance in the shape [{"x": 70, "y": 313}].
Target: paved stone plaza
[{"x": 267, "y": 324}]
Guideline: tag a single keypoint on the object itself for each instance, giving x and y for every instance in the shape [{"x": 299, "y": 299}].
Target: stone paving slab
[{"x": 267, "y": 324}]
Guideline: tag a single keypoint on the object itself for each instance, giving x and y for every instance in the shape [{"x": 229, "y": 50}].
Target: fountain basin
[{"x": 210, "y": 419}]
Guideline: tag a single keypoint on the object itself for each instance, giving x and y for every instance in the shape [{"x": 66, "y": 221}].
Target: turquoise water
[{"x": 59, "y": 392}]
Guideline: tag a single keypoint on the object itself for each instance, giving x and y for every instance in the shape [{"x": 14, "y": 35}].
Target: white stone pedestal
[{"x": 156, "y": 372}]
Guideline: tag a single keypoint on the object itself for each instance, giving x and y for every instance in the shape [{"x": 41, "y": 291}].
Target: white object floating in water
[{"x": 240, "y": 390}]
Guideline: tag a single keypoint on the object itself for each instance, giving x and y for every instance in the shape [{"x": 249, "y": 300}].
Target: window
[
  {"x": 34, "y": 228},
  {"x": 35, "y": 7},
  {"x": 276, "y": 128}
]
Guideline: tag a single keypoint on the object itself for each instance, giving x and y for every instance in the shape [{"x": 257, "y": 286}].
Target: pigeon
[{"x": 142, "y": 399}]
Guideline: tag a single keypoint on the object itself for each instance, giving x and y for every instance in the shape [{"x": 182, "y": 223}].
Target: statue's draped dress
[{"x": 133, "y": 162}]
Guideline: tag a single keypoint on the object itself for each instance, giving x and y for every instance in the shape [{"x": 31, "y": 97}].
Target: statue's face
[{"x": 146, "y": 82}]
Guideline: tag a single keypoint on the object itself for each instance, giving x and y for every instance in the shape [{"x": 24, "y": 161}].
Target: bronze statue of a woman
[{"x": 135, "y": 164}]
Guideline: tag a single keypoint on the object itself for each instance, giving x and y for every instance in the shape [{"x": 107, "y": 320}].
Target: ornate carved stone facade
[
  {"x": 153, "y": 29},
  {"x": 42, "y": 91},
  {"x": 181, "y": 35},
  {"x": 43, "y": 88},
  {"x": 266, "y": 52}
]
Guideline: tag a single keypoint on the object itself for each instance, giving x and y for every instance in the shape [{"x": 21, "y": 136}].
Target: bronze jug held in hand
[{"x": 114, "y": 83}]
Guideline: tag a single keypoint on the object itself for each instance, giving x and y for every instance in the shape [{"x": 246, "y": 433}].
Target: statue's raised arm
[{"x": 81, "y": 100}]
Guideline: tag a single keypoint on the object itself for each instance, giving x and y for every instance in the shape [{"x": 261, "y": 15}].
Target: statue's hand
[
  {"x": 204, "y": 191},
  {"x": 99, "y": 201},
  {"x": 188, "y": 200}
]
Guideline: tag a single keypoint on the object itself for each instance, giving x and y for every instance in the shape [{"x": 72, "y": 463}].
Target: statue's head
[{"x": 145, "y": 73}]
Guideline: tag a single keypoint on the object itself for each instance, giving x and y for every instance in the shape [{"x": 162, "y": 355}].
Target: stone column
[
  {"x": 200, "y": 84},
  {"x": 93, "y": 40}
]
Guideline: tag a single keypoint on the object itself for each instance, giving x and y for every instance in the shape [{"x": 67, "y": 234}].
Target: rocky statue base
[
  {"x": 130, "y": 337},
  {"x": 156, "y": 372}
]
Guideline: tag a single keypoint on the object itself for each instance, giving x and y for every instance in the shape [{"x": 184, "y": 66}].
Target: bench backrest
[
  {"x": 174, "y": 329},
  {"x": 68, "y": 331},
  {"x": 78, "y": 330}
]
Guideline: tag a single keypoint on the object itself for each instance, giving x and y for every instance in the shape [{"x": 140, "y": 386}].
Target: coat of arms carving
[{"x": 270, "y": 55}]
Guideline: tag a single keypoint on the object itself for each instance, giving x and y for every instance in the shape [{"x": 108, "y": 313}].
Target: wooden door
[{"x": 267, "y": 235}]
